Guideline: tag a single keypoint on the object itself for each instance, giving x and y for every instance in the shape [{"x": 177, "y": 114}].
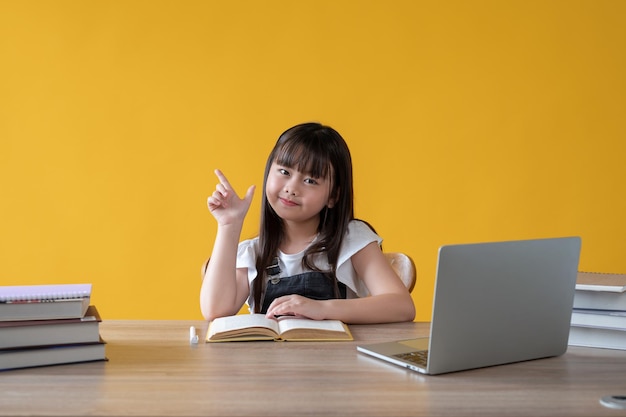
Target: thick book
[
  {"x": 597, "y": 337},
  {"x": 599, "y": 318},
  {"x": 26, "y": 333},
  {"x": 600, "y": 300},
  {"x": 248, "y": 327},
  {"x": 596, "y": 281},
  {"x": 51, "y": 355},
  {"x": 599, "y": 291},
  {"x": 44, "y": 302}
]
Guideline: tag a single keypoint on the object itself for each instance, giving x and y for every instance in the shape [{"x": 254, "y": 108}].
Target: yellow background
[{"x": 468, "y": 121}]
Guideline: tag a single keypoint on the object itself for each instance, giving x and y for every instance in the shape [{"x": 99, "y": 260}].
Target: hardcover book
[
  {"x": 597, "y": 337},
  {"x": 595, "y": 281},
  {"x": 26, "y": 333},
  {"x": 51, "y": 355},
  {"x": 600, "y": 291},
  {"x": 599, "y": 318}
]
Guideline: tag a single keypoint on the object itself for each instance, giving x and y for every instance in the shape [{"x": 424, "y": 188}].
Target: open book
[{"x": 246, "y": 327}]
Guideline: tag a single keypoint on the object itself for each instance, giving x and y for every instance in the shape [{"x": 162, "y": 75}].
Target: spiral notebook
[{"x": 42, "y": 302}]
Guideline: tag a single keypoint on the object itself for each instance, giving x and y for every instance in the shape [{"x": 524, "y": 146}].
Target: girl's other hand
[
  {"x": 225, "y": 205},
  {"x": 297, "y": 306}
]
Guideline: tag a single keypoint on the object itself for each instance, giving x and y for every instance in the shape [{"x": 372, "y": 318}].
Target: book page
[
  {"x": 242, "y": 321},
  {"x": 287, "y": 324}
]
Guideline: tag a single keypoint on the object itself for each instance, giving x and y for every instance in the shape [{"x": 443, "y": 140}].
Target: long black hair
[{"x": 321, "y": 152}]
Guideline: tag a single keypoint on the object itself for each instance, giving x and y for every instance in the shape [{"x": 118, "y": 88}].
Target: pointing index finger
[{"x": 223, "y": 179}]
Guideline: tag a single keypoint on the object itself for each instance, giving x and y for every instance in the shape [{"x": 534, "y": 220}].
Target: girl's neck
[{"x": 298, "y": 237}]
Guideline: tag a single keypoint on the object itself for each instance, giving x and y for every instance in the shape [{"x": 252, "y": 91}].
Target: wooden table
[{"x": 154, "y": 371}]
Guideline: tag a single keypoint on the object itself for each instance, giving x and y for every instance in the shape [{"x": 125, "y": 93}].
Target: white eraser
[{"x": 193, "y": 336}]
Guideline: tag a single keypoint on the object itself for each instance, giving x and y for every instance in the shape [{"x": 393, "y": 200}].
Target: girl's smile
[{"x": 287, "y": 202}]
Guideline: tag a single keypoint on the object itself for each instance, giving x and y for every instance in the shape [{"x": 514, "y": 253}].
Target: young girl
[{"x": 312, "y": 258}]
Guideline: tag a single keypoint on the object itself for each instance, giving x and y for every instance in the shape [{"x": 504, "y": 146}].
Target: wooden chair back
[{"x": 404, "y": 267}]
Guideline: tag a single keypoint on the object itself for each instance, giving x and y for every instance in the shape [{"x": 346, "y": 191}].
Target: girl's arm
[
  {"x": 389, "y": 301},
  {"x": 224, "y": 287}
]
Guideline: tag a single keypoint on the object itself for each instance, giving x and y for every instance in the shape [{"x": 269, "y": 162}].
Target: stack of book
[
  {"x": 599, "y": 315},
  {"x": 48, "y": 325}
]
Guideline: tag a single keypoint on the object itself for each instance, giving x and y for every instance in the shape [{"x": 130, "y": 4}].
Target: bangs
[{"x": 305, "y": 157}]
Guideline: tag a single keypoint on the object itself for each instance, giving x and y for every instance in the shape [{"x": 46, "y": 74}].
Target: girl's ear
[{"x": 333, "y": 199}]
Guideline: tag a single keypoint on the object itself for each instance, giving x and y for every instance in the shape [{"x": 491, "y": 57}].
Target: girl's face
[{"x": 296, "y": 196}]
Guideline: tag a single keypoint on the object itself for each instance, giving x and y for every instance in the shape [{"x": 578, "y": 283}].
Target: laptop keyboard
[{"x": 419, "y": 357}]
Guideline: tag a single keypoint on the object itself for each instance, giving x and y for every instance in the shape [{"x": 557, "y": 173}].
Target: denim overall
[{"x": 314, "y": 285}]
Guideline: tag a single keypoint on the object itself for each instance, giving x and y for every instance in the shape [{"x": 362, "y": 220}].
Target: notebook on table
[
  {"x": 43, "y": 302},
  {"x": 494, "y": 303}
]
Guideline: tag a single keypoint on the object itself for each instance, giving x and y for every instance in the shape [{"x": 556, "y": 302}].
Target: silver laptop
[{"x": 494, "y": 303}]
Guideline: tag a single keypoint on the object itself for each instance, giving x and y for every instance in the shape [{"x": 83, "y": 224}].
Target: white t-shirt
[{"x": 358, "y": 236}]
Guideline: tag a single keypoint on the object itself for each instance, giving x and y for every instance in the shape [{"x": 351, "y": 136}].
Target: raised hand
[{"x": 225, "y": 205}]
